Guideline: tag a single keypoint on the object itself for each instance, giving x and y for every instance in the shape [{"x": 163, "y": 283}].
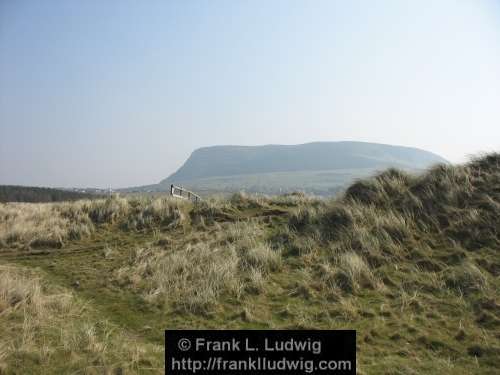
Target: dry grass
[
  {"x": 256, "y": 281},
  {"x": 245, "y": 200},
  {"x": 466, "y": 279},
  {"x": 191, "y": 279},
  {"x": 194, "y": 277},
  {"x": 156, "y": 213},
  {"x": 107, "y": 210},
  {"x": 414, "y": 257},
  {"x": 35, "y": 225},
  {"x": 296, "y": 199},
  {"x": 42, "y": 326},
  {"x": 349, "y": 274},
  {"x": 262, "y": 257},
  {"x": 49, "y": 225},
  {"x": 353, "y": 273},
  {"x": 210, "y": 211},
  {"x": 382, "y": 219}
]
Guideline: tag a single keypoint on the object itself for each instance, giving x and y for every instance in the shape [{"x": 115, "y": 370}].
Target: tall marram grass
[
  {"x": 46, "y": 224},
  {"x": 406, "y": 254},
  {"x": 50, "y": 225},
  {"x": 40, "y": 325},
  {"x": 160, "y": 212},
  {"x": 191, "y": 279},
  {"x": 396, "y": 217},
  {"x": 194, "y": 277}
]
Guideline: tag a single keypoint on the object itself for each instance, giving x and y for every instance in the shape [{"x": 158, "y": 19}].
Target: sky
[{"x": 119, "y": 93}]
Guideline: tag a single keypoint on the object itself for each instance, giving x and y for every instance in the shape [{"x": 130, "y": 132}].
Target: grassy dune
[{"x": 411, "y": 262}]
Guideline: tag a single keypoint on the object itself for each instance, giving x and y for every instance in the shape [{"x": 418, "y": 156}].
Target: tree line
[{"x": 11, "y": 193}]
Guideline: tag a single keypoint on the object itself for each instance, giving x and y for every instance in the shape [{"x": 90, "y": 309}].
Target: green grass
[
  {"x": 322, "y": 182},
  {"x": 410, "y": 262}
]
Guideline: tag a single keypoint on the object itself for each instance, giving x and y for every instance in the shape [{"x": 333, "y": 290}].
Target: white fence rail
[{"x": 180, "y": 192}]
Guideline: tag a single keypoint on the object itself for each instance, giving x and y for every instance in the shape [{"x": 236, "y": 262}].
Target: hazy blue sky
[{"x": 118, "y": 93}]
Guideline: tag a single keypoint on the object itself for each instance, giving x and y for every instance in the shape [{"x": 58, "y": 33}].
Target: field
[
  {"x": 411, "y": 262},
  {"x": 325, "y": 183},
  {"x": 322, "y": 183}
]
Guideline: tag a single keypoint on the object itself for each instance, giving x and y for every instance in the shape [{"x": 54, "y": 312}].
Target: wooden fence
[{"x": 179, "y": 192}]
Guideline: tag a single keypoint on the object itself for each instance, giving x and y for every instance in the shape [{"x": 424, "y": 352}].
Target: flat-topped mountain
[{"x": 319, "y": 167}]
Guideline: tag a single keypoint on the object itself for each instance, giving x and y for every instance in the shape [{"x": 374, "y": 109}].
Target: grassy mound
[{"x": 409, "y": 261}]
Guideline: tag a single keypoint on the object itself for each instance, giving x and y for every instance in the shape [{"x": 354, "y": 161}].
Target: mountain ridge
[
  {"x": 215, "y": 163},
  {"x": 232, "y": 159}
]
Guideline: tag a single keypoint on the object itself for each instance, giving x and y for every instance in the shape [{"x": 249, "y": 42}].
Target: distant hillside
[
  {"x": 322, "y": 167},
  {"x": 12, "y": 193}
]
